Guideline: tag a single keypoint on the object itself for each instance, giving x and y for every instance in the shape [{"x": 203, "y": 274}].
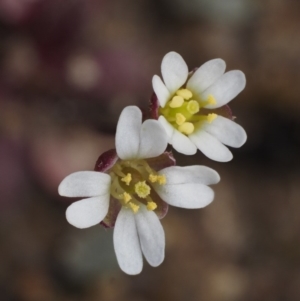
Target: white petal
[
  {"x": 190, "y": 174},
  {"x": 88, "y": 212},
  {"x": 160, "y": 90},
  {"x": 151, "y": 235},
  {"x": 211, "y": 146},
  {"x": 174, "y": 71},
  {"x": 153, "y": 141},
  {"x": 228, "y": 86},
  {"x": 167, "y": 126},
  {"x": 85, "y": 184},
  {"x": 128, "y": 133},
  {"x": 126, "y": 243},
  {"x": 227, "y": 131},
  {"x": 187, "y": 195},
  {"x": 182, "y": 143},
  {"x": 206, "y": 75}
]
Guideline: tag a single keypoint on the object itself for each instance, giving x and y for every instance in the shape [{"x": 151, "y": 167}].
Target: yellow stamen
[
  {"x": 127, "y": 179},
  {"x": 126, "y": 197},
  {"x": 186, "y": 128},
  {"x": 153, "y": 178},
  {"x": 135, "y": 208},
  {"x": 180, "y": 119},
  {"x": 211, "y": 100},
  {"x": 162, "y": 180},
  {"x": 142, "y": 189},
  {"x": 193, "y": 107},
  {"x": 185, "y": 93},
  {"x": 176, "y": 102},
  {"x": 211, "y": 117},
  {"x": 151, "y": 206}
]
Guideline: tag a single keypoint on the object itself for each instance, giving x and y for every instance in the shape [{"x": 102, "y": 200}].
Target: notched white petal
[
  {"x": 190, "y": 174},
  {"x": 153, "y": 139},
  {"x": 151, "y": 235},
  {"x": 182, "y": 143},
  {"x": 186, "y": 195},
  {"x": 85, "y": 184},
  {"x": 160, "y": 90},
  {"x": 128, "y": 133},
  {"x": 88, "y": 212},
  {"x": 126, "y": 243},
  {"x": 174, "y": 71},
  {"x": 227, "y": 87},
  {"x": 211, "y": 147},
  {"x": 227, "y": 131},
  {"x": 167, "y": 127},
  {"x": 206, "y": 75}
]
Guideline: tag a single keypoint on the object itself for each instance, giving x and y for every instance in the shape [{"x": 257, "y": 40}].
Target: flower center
[
  {"x": 183, "y": 112},
  {"x": 131, "y": 184}
]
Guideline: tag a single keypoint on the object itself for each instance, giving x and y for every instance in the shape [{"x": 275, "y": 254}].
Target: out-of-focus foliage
[{"x": 67, "y": 68}]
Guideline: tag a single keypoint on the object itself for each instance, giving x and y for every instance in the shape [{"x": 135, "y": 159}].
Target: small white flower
[
  {"x": 138, "y": 188},
  {"x": 184, "y": 102}
]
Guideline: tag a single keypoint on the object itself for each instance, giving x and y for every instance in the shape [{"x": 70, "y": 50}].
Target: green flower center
[
  {"x": 182, "y": 111},
  {"x": 131, "y": 184}
]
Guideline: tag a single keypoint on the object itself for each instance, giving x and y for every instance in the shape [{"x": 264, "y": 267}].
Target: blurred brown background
[{"x": 68, "y": 68}]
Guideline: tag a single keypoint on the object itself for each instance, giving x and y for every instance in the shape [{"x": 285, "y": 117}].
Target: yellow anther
[
  {"x": 211, "y": 117},
  {"x": 211, "y": 100},
  {"x": 142, "y": 189},
  {"x": 153, "y": 178},
  {"x": 151, "y": 206},
  {"x": 180, "y": 119},
  {"x": 162, "y": 180},
  {"x": 127, "y": 179},
  {"x": 193, "y": 106},
  {"x": 186, "y": 128},
  {"x": 176, "y": 102},
  {"x": 126, "y": 197},
  {"x": 185, "y": 93},
  {"x": 135, "y": 208}
]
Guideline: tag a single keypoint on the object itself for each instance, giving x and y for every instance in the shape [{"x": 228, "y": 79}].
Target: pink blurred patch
[
  {"x": 12, "y": 173},
  {"x": 124, "y": 71},
  {"x": 56, "y": 155},
  {"x": 15, "y": 11}
]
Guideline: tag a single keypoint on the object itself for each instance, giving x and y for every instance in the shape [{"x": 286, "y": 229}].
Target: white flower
[
  {"x": 138, "y": 188},
  {"x": 184, "y": 102}
]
